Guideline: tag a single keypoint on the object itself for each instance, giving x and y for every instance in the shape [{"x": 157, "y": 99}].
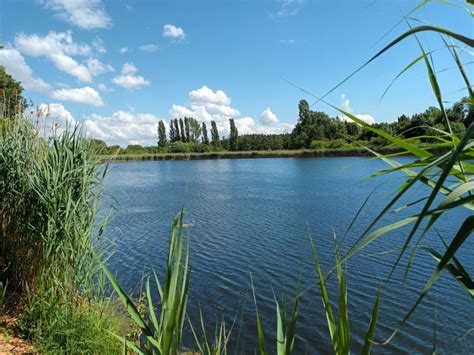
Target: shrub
[{"x": 179, "y": 147}]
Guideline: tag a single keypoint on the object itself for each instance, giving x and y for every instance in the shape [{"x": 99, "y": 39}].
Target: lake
[{"x": 255, "y": 216}]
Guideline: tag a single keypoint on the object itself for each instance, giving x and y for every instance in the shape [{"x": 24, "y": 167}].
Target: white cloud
[
  {"x": 346, "y": 106},
  {"x": 85, "y": 95},
  {"x": 54, "y": 42},
  {"x": 267, "y": 117},
  {"x": 206, "y": 95},
  {"x": 123, "y": 128},
  {"x": 345, "y": 103},
  {"x": 128, "y": 79},
  {"x": 150, "y": 47},
  {"x": 287, "y": 41},
  {"x": 123, "y": 50},
  {"x": 54, "y": 119},
  {"x": 207, "y": 105},
  {"x": 96, "y": 67},
  {"x": 129, "y": 68},
  {"x": 287, "y": 8},
  {"x": 365, "y": 117},
  {"x": 172, "y": 31},
  {"x": 59, "y": 47},
  {"x": 17, "y": 67},
  {"x": 87, "y": 14},
  {"x": 104, "y": 88}
]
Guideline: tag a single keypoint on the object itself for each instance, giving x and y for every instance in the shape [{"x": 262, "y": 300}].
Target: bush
[
  {"x": 199, "y": 148},
  {"x": 319, "y": 144},
  {"x": 179, "y": 147}
]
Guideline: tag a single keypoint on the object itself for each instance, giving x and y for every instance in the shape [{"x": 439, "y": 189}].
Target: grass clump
[{"x": 49, "y": 199}]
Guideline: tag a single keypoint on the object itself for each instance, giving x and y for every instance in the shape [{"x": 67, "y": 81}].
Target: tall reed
[{"x": 50, "y": 191}]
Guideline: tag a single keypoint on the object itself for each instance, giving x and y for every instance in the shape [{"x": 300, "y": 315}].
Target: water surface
[{"x": 255, "y": 215}]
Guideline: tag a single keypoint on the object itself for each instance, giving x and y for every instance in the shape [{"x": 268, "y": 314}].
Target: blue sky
[{"x": 120, "y": 66}]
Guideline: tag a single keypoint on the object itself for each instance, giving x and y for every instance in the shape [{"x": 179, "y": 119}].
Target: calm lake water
[{"x": 255, "y": 216}]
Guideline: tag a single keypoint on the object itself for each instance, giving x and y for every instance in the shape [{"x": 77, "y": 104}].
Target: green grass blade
[
  {"x": 461, "y": 236},
  {"x": 370, "y": 335}
]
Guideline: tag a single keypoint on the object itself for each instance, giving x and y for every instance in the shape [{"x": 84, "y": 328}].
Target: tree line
[
  {"x": 189, "y": 130},
  {"x": 318, "y": 130}
]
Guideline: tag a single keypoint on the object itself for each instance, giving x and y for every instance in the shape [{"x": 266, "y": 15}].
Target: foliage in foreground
[{"x": 49, "y": 199}]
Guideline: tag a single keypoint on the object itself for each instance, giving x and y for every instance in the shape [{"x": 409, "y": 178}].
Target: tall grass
[{"x": 50, "y": 193}]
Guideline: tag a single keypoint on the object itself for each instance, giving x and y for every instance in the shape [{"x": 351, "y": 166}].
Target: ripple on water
[{"x": 256, "y": 216}]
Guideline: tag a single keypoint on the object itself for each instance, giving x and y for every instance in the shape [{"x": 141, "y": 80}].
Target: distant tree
[
  {"x": 205, "y": 138},
  {"x": 12, "y": 101},
  {"x": 352, "y": 128},
  {"x": 99, "y": 146},
  {"x": 183, "y": 133},
  {"x": 214, "y": 134},
  {"x": 194, "y": 130},
  {"x": 187, "y": 129},
  {"x": 177, "y": 136},
  {"x": 233, "y": 136},
  {"x": 162, "y": 139},
  {"x": 173, "y": 132}
]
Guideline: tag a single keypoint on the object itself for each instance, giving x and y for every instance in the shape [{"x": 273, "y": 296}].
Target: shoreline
[{"x": 302, "y": 153}]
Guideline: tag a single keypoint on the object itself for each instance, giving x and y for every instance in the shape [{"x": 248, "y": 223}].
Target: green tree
[
  {"x": 173, "y": 132},
  {"x": 214, "y": 134},
  {"x": 234, "y": 135},
  {"x": 187, "y": 129},
  {"x": 205, "y": 138},
  {"x": 12, "y": 101},
  {"x": 162, "y": 139},
  {"x": 177, "y": 136},
  {"x": 194, "y": 130},
  {"x": 183, "y": 134}
]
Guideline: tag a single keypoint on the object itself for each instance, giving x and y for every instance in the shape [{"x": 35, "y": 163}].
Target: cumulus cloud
[
  {"x": 54, "y": 119},
  {"x": 128, "y": 78},
  {"x": 123, "y": 128},
  {"x": 172, "y": 31},
  {"x": 87, "y": 14},
  {"x": 150, "y": 47},
  {"x": 346, "y": 106},
  {"x": 120, "y": 128},
  {"x": 60, "y": 48},
  {"x": 205, "y": 104},
  {"x": 267, "y": 117},
  {"x": 54, "y": 42},
  {"x": 17, "y": 67},
  {"x": 85, "y": 95},
  {"x": 205, "y": 95},
  {"x": 123, "y": 50},
  {"x": 96, "y": 67}
]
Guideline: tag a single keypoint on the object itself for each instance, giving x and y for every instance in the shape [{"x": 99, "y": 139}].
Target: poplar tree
[
  {"x": 214, "y": 134},
  {"x": 205, "y": 138},
  {"x": 172, "y": 131},
  {"x": 162, "y": 139},
  {"x": 177, "y": 136},
  {"x": 187, "y": 128},
  {"x": 234, "y": 134},
  {"x": 181, "y": 125},
  {"x": 194, "y": 130}
]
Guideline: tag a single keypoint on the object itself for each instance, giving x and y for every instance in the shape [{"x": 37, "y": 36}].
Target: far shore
[{"x": 301, "y": 153}]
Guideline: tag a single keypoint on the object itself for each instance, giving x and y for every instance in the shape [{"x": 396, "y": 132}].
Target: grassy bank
[{"x": 299, "y": 153}]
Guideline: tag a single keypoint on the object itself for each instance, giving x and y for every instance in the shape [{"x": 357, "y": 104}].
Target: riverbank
[{"x": 300, "y": 153}]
